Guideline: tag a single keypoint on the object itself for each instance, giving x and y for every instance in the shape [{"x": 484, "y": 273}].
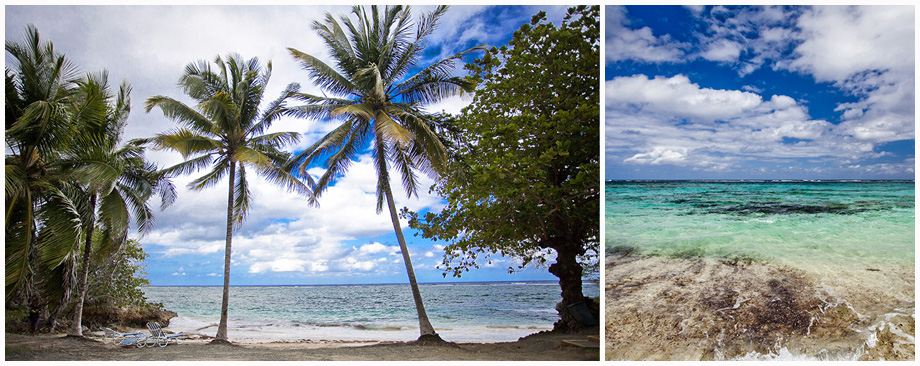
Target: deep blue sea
[{"x": 482, "y": 312}]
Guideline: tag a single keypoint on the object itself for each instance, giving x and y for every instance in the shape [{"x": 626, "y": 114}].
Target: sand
[
  {"x": 660, "y": 308},
  {"x": 541, "y": 346}
]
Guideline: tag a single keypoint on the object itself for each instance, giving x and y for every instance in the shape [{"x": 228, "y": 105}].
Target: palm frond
[
  {"x": 213, "y": 177},
  {"x": 114, "y": 216},
  {"x": 241, "y": 196},
  {"x": 324, "y": 75},
  {"x": 179, "y": 112},
  {"x": 404, "y": 163},
  {"x": 61, "y": 230},
  {"x": 187, "y": 143},
  {"x": 363, "y": 111},
  {"x": 380, "y": 165},
  {"x": 20, "y": 226},
  {"x": 275, "y": 110},
  {"x": 188, "y": 166},
  {"x": 341, "y": 156},
  {"x": 391, "y": 130},
  {"x": 277, "y": 139}
]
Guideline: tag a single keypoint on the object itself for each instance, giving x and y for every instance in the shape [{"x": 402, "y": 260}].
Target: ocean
[
  {"x": 460, "y": 312},
  {"x": 854, "y": 239}
]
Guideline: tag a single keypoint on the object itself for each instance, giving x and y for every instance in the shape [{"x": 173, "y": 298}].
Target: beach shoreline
[
  {"x": 663, "y": 308},
  {"x": 544, "y": 346}
]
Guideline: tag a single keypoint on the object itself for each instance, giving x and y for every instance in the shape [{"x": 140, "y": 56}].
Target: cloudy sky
[
  {"x": 283, "y": 241},
  {"x": 728, "y": 92}
]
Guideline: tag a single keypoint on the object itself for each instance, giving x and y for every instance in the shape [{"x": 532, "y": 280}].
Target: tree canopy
[{"x": 522, "y": 180}]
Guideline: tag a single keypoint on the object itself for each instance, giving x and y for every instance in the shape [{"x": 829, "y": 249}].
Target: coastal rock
[
  {"x": 662, "y": 308},
  {"x": 125, "y": 317},
  {"x": 893, "y": 340}
]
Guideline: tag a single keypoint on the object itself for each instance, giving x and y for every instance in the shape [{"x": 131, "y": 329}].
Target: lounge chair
[
  {"x": 159, "y": 337},
  {"x": 138, "y": 341},
  {"x": 117, "y": 337}
]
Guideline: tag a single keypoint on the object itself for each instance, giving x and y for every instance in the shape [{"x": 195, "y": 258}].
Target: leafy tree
[
  {"x": 113, "y": 181},
  {"x": 379, "y": 102},
  {"x": 42, "y": 221},
  {"x": 116, "y": 280},
  {"x": 523, "y": 176},
  {"x": 225, "y": 132}
]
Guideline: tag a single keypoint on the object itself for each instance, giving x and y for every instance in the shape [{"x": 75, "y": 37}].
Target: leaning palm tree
[
  {"x": 225, "y": 130},
  {"x": 42, "y": 224},
  {"x": 379, "y": 102},
  {"x": 114, "y": 181}
]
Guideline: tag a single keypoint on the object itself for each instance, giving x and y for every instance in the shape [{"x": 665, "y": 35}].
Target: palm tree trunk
[
  {"x": 225, "y": 302},
  {"x": 423, "y": 323},
  {"x": 77, "y": 328}
]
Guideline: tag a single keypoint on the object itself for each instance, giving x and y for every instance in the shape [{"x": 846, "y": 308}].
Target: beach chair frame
[
  {"x": 139, "y": 340},
  {"x": 159, "y": 337},
  {"x": 117, "y": 337}
]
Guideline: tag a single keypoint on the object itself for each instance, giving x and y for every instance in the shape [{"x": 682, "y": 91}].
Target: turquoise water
[
  {"x": 493, "y": 311},
  {"x": 810, "y": 225}
]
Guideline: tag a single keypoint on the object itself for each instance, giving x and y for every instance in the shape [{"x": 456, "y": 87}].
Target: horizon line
[
  {"x": 759, "y": 180},
  {"x": 373, "y": 284}
]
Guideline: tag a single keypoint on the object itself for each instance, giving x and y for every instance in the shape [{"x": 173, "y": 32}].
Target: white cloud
[
  {"x": 374, "y": 248},
  {"x": 868, "y": 51},
  {"x": 722, "y": 50},
  {"x": 839, "y": 42},
  {"x": 672, "y": 121},
  {"x": 678, "y": 96},
  {"x": 660, "y": 155},
  {"x": 624, "y": 43}
]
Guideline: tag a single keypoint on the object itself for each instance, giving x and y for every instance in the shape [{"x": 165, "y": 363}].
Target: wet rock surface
[{"x": 699, "y": 309}]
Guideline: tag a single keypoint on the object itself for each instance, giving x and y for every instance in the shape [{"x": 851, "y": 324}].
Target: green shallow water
[{"x": 810, "y": 225}]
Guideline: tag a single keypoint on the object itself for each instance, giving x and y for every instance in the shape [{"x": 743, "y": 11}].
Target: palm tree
[
  {"x": 379, "y": 102},
  {"x": 43, "y": 225},
  {"x": 225, "y": 131},
  {"x": 115, "y": 182}
]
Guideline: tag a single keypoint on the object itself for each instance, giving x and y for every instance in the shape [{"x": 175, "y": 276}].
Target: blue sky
[
  {"x": 739, "y": 92},
  {"x": 283, "y": 240}
]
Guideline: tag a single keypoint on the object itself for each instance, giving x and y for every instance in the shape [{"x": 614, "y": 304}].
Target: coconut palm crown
[
  {"x": 372, "y": 92},
  {"x": 42, "y": 221},
  {"x": 112, "y": 181},
  {"x": 226, "y": 132}
]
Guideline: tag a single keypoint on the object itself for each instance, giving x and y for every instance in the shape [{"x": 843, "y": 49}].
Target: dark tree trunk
[{"x": 569, "y": 272}]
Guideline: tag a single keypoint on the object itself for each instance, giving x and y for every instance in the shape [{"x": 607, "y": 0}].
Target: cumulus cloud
[
  {"x": 625, "y": 43},
  {"x": 868, "y": 51},
  {"x": 677, "y": 95},
  {"x": 673, "y": 121}
]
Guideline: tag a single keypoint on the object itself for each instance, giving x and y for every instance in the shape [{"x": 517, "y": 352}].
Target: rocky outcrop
[{"x": 125, "y": 317}]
